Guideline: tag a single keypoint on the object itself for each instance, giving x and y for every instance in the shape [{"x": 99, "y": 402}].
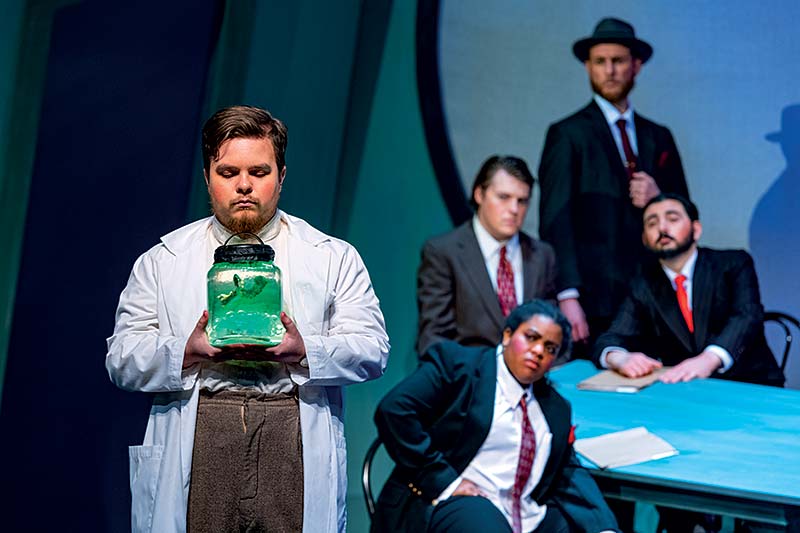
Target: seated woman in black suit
[{"x": 482, "y": 442}]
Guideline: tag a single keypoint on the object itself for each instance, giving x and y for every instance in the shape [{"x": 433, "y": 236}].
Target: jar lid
[{"x": 242, "y": 253}]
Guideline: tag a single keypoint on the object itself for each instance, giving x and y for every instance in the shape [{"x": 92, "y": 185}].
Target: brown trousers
[{"x": 247, "y": 465}]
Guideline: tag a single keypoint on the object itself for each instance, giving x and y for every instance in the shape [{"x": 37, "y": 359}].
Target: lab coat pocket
[{"x": 145, "y": 465}]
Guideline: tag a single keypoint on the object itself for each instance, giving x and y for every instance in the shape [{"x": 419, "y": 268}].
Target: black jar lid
[{"x": 242, "y": 253}]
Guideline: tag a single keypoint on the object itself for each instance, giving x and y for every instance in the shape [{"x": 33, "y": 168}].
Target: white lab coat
[{"x": 342, "y": 326}]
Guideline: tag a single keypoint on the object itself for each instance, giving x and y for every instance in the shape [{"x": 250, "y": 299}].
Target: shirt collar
[
  {"x": 687, "y": 270},
  {"x": 266, "y": 234},
  {"x": 488, "y": 244},
  {"x": 510, "y": 388},
  {"x": 611, "y": 113}
]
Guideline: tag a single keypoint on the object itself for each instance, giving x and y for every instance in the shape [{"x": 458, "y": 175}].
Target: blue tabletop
[{"x": 733, "y": 438}]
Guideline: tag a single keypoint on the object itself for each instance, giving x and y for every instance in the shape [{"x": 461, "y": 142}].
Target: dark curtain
[{"x": 118, "y": 131}]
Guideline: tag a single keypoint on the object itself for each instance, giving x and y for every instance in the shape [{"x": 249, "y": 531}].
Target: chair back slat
[
  {"x": 366, "y": 476},
  {"x": 784, "y": 320}
]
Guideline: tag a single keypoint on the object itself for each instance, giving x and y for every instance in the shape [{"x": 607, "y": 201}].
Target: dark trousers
[
  {"x": 247, "y": 465},
  {"x": 474, "y": 514}
]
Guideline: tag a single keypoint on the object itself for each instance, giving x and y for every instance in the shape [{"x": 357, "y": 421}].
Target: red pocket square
[
  {"x": 662, "y": 159},
  {"x": 571, "y": 437}
]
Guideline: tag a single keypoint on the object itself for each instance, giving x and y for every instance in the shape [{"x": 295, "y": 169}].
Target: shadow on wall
[{"x": 775, "y": 231}]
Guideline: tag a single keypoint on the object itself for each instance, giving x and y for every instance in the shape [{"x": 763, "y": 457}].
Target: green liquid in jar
[{"x": 244, "y": 304}]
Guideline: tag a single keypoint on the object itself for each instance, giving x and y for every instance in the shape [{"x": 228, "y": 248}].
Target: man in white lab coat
[{"x": 335, "y": 335}]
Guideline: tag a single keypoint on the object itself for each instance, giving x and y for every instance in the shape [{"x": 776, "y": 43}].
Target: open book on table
[
  {"x": 623, "y": 448},
  {"x": 611, "y": 381}
]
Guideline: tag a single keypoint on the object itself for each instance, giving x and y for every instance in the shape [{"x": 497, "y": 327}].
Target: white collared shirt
[
  {"x": 490, "y": 249},
  {"x": 612, "y": 115},
  {"x": 688, "y": 272},
  {"x": 495, "y": 465}
]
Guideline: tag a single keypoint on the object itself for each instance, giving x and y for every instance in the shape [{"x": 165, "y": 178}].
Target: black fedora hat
[{"x": 611, "y": 30}]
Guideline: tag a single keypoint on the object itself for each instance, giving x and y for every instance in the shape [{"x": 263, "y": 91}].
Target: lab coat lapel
[
  {"x": 188, "y": 271},
  {"x": 310, "y": 275}
]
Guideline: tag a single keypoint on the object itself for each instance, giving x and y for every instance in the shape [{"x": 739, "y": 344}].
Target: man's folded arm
[{"x": 624, "y": 334}]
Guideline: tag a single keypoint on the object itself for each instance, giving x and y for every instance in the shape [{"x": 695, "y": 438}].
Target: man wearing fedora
[{"x": 599, "y": 167}]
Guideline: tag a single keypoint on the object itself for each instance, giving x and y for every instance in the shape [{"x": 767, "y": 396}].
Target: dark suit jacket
[
  {"x": 455, "y": 297},
  {"x": 585, "y": 208},
  {"x": 434, "y": 422},
  {"x": 726, "y": 311}
]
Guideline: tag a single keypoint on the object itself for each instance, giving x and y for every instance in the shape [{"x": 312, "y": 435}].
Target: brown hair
[
  {"x": 515, "y": 166},
  {"x": 243, "y": 121}
]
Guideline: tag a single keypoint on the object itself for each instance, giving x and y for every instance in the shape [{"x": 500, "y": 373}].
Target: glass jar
[{"x": 244, "y": 296}]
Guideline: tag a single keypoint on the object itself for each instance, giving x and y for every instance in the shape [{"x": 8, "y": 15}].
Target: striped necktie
[
  {"x": 527, "y": 451},
  {"x": 506, "y": 294}
]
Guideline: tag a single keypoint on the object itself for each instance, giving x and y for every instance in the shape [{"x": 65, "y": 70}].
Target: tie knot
[
  {"x": 621, "y": 123},
  {"x": 523, "y": 402},
  {"x": 679, "y": 280},
  {"x": 502, "y": 252}
]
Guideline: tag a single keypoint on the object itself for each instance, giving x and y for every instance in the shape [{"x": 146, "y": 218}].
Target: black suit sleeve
[
  {"x": 625, "y": 331},
  {"x": 550, "y": 274},
  {"x": 435, "y": 298},
  {"x": 404, "y": 418},
  {"x": 555, "y": 205},
  {"x": 744, "y": 324}
]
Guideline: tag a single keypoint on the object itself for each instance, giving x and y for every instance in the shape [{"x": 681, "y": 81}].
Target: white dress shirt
[
  {"x": 688, "y": 271},
  {"x": 490, "y": 249},
  {"x": 612, "y": 115},
  {"x": 495, "y": 465}
]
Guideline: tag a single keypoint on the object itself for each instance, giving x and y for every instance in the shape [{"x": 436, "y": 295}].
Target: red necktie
[
  {"x": 527, "y": 451},
  {"x": 630, "y": 157},
  {"x": 683, "y": 301},
  {"x": 506, "y": 294}
]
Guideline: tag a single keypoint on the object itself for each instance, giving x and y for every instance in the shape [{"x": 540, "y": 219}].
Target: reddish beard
[
  {"x": 616, "y": 97},
  {"x": 250, "y": 221}
]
